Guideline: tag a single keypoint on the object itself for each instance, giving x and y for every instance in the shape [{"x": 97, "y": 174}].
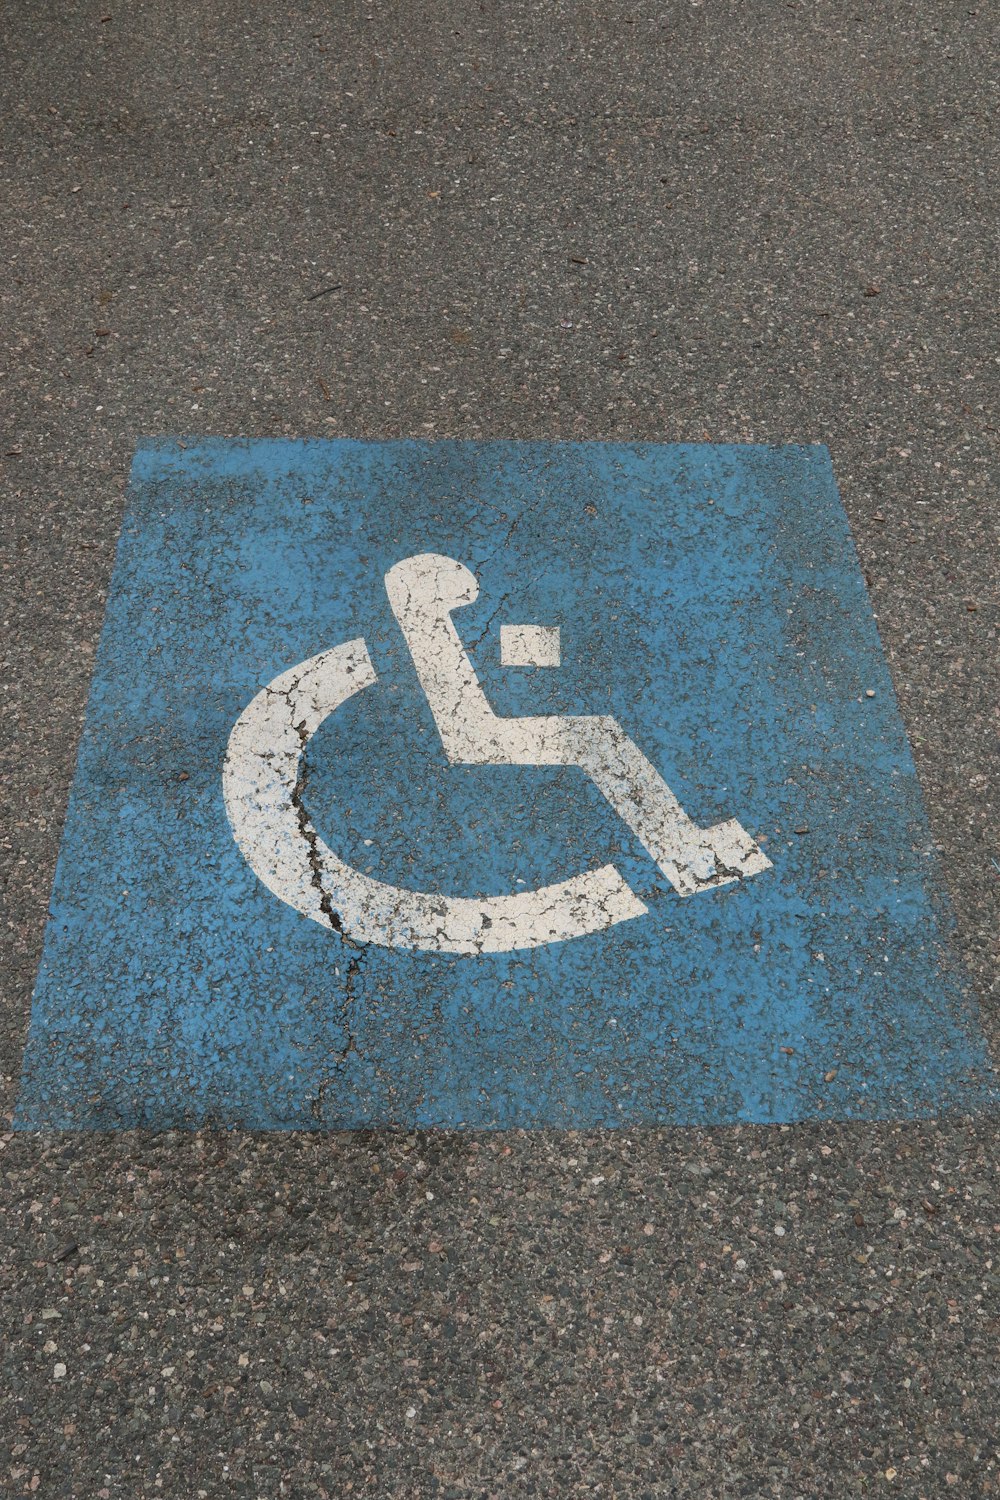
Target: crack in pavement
[
  {"x": 351, "y": 1045},
  {"x": 311, "y": 837},
  {"x": 312, "y": 842}
]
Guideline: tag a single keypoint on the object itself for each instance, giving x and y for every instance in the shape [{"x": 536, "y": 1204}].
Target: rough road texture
[{"x": 764, "y": 223}]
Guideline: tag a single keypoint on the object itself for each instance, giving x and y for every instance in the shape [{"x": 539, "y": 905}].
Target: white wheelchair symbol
[{"x": 262, "y": 789}]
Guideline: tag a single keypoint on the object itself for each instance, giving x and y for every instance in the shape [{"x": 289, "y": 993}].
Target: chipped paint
[{"x": 530, "y": 646}]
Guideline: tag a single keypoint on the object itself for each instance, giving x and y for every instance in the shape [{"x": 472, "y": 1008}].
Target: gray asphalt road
[{"x": 772, "y": 223}]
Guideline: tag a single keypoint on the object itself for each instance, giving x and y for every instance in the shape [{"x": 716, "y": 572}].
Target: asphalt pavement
[{"x": 681, "y": 223}]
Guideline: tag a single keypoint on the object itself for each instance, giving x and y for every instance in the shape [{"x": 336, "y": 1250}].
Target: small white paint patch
[{"x": 529, "y": 646}]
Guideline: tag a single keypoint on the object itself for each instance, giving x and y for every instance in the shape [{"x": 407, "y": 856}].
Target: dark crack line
[
  {"x": 475, "y": 644},
  {"x": 345, "y": 1008},
  {"x": 316, "y": 1104},
  {"x": 311, "y": 837}
]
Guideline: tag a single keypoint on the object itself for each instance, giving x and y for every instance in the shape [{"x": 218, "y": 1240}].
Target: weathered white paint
[
  {"x": 262, "y": 792},
  {"x": 529, "y": 646},
  {"x": 423, "y": 592},
  {"x": 260, "y": 778}
]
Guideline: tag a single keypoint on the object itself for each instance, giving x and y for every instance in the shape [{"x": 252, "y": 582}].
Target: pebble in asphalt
[{"x": 771, "y": 224}]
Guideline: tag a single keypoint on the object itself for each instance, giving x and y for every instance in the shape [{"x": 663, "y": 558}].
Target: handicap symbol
[{"x": 262, "y": 788}]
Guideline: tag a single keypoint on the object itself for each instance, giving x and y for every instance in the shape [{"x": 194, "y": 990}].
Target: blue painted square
[{"x": 708, "y": 597}]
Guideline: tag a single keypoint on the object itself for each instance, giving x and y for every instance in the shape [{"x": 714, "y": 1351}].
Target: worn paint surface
[{"x": 707, "y": 600}]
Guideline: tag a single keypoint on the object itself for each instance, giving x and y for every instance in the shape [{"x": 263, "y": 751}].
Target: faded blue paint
[{"x": 709, "y": 598}]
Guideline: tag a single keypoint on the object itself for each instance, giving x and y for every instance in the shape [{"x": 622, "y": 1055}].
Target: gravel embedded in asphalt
[{"x": 771, "y": 223}]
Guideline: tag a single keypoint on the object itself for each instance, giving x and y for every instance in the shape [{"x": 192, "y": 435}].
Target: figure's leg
[{"x": 691, "y": 858}]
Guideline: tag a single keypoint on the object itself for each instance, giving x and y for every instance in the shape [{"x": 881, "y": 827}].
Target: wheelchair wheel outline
[{"x": 260, "y": 788}]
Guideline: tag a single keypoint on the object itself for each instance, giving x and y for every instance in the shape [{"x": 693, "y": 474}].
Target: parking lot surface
[{"x": 698, "y": 224}]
